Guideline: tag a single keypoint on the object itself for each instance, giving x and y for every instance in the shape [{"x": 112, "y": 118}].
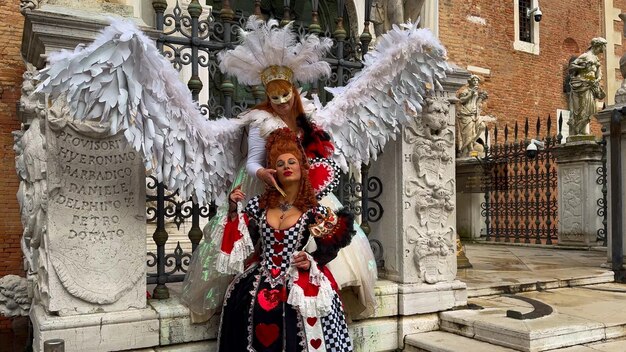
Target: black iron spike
[
  {"x": 526, "y": 129},
  {"x": 549, "y": 124},
  {"x": 506, "y": 133},
  {"x": 515, "y": 132},
  {"x": 495, "y": 135},
  {"x": 538, "y": 126}
]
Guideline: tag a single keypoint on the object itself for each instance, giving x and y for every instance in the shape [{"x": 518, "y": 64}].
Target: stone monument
[
  {"x": 585, "y": 75},
  {"x": 419, "y": 234},
  {"x": 580, "y": 157},
  {"x": 470, "y": 124},
  {"x": 82, "y": 202}
]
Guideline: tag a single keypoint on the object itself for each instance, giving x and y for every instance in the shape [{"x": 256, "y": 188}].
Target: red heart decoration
[
  {"x": 311, "y": 321},
  {"x": 321, "y": 174},
  {"x": 316, "y": 343},
  {"x": 268, "y": 300},
  {"x": 266, "y": 333},
  {"x": 278, "y": 248},
  {"x": 275, "y": 272},
  {"x": 277, "y": 260},
  {"x": 279, "y": 235}
]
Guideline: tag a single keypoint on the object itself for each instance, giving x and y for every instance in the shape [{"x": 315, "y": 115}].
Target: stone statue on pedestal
[
  {"x": 585, "y": 86},
  {"x": 470, "y": 124},
  {"x": 386, "y": 13}
]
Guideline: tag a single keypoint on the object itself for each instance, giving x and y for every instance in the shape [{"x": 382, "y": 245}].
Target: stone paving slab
[
  {"x": 440, "y": 341},
  {"x": 501, "y": 269},
  {"x": 581, "y": 315}
]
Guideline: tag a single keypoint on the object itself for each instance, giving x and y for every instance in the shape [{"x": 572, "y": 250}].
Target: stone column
[
  {"x": 418, "y": 229},
  {"x": 578, "y": 195},
  {"x": 604, "y": 117}
]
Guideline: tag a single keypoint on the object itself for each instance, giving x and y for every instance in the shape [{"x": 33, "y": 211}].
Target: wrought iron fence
[
  {"x": 191, "y": 41},
  {"x": 602, "y": 201},
  {"x": 521, "y": 192}
]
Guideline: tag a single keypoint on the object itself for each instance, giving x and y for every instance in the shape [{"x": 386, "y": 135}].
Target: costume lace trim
[
  {"x": 311, "y": 306},
  {"x": 233, "y": 263}
]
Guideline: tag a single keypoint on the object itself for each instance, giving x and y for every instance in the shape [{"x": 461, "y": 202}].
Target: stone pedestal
[
  {"x": 90, "y": 287},
  {"x": 578, "y": 162},
  {"x": 604, "y": 117},
  {"x": 418, "y": 229},
  {"x": 469, "y": 196}
]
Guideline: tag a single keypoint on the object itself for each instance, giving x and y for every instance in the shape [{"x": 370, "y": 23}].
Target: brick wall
[
  {"x": 11, "y": 69},
  {"x": 520, "y": 84}
]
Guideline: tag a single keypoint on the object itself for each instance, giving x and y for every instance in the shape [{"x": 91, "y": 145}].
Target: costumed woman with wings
[{"x": 122, "y": 79}]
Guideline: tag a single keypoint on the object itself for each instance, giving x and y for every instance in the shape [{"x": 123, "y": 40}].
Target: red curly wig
[{"x": 279, "y": 142}]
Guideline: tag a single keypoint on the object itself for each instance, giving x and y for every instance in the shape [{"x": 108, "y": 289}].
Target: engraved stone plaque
[{"x": 96, "y": 220}]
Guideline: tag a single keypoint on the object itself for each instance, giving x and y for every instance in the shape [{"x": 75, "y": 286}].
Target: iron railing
[
  {"x": 602, "y": 201},
  {"x": 521, "y": 192},
  {"x": 191, "y": 41}
]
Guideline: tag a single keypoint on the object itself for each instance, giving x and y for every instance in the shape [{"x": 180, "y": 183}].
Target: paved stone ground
[{"x": 498, "y": 268}]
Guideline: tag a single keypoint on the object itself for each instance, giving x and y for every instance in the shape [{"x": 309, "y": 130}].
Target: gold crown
[{"x": 273, "y": 73}]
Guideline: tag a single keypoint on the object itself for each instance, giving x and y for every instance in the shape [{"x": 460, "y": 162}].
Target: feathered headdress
[{"x": 268, "y": 52}]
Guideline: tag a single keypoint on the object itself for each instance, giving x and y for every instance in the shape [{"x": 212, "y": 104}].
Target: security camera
[
  {"x": 533, "y": 148},
  {"x": 536, "y": 12}
]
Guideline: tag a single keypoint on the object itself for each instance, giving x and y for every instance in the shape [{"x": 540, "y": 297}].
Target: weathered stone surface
[
  {"x": 578, "y": 192},
  {"x": 98, "y": 332},
  {"x": 96, "y": 220}
]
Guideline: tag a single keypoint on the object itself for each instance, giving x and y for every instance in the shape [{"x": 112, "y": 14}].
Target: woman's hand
[
  {"x": 267, "y": 177},
  {"x": 235, "y": 196},
  {"x": 301, "y": 261}
]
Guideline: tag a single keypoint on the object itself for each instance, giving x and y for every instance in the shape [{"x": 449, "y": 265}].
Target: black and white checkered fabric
[
  {"x": 253, "y": 209},
  {"x": 335, "y": 329}
]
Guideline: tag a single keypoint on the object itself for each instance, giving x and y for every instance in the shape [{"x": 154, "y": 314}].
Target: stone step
[
  {"x": 441, "y": 341},
  {"x": 529, "y": 284},
  {"x": 578, "y": 316}
]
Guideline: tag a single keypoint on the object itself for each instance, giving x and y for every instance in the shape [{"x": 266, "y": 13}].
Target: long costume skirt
[{"x": 270, "y": 324}]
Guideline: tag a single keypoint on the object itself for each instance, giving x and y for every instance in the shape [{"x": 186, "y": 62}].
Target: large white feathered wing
[
  {"x": 406, "y": 65},
  {"x": 123, "y": 81}
]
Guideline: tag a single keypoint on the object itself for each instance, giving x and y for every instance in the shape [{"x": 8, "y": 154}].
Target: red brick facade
[
  {"x": 481, "y": 33},
  {"x": 11, "y": 69}
]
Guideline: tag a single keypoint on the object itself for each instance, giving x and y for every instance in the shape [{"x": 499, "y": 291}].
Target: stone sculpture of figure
[
  {"x": 585, "y": 87},
  {"x": 470, "y": 124},
  {"x": 385, "y": 13}
]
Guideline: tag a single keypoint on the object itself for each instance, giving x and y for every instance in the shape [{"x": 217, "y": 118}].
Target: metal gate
[{"x": 191, "y": 39}]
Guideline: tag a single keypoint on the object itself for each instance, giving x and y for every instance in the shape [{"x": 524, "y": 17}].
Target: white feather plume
[
  {"x": 122, "y": 80},
  {"x": 405, "y": 66},
  {"x": 265, "y": 44}
]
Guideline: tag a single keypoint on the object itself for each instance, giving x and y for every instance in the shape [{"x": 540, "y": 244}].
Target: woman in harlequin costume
[{"x": 285, "y": 299}]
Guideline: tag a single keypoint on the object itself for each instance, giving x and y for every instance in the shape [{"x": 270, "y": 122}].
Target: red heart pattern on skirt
[
  {"x": 268, "y": 299},
  {"x": 316, "y": 343},
  {"x": 266, "y": 333}
]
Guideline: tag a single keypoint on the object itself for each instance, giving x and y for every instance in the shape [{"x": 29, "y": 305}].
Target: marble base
[
  {"x": 131, "y": 329},
  {"x": 578, "y": 191},
  {"x": 175, "y": 324},
  {"x": 424, "y": 298},
  {"x": 580, "y": 315}
]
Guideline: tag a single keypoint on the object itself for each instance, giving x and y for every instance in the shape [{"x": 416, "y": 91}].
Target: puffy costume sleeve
[
  {"x": 332, "y": 231},
  {"x": 236, "y": 242}
]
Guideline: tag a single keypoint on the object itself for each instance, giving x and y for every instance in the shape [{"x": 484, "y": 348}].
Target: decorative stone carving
[
  {"x": 14, "y": 298},
  {"x": 82, "y": 202},
  {"x": 96, "y": 211},
  {"x": 432, "y": 192},
  {"x": 30, "y": 5},
  {"x": 586, "y": 74},
  {"x": 572, "y": 189},
  {"x": 386, "y": 13},
  {"x": 470, "y": 124}
]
